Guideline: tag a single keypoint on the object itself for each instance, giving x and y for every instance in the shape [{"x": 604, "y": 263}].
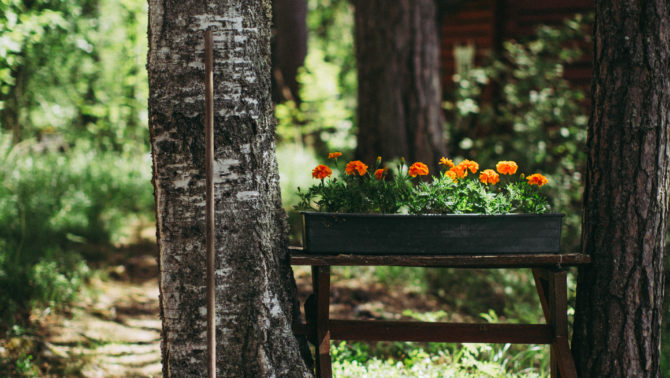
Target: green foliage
[
  {"x": 326, "y": 116},
  {"x": 401, "y": 359},
  {"x": 537, "y": 117},
  {"x": 24, "y": 365},
  {"x": 73, "y": 134},
  {"x": 325, "y": 119},
  {"x": 398, "y": 191},
  {"x": 21, "y": 26},
  {"x": 445, "y": 196},
  {"x": 438, "y": 360},
  {"x": 510, "y": 293},
  {"x": 51, "y": 203},
  {"x": 74, "y": 69},
  {"x": 355, "y": 193},
  {"x": 16, "y": 354}
]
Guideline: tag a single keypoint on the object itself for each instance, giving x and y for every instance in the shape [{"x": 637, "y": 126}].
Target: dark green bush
[
  {"x": 536, "y": 118},
  {"x": 51, "y": 204}
]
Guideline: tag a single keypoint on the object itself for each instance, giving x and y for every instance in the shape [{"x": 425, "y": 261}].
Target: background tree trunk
[
  {"x": 619, "y": 297},
  {"x": 255, "y": 289},
  {"x": 289, "y": 48},
  {"x": 399, "y": 93}
]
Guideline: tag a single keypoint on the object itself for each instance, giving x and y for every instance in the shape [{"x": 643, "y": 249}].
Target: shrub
[
  {"x": 538, "y": 118},
  {"x": 51, "y": 204}
]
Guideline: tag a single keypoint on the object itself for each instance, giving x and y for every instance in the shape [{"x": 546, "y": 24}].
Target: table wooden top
[{"x": 531, "y": 260}]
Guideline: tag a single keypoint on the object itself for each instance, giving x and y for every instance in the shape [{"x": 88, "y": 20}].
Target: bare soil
[{"x": 114, "y": 330}]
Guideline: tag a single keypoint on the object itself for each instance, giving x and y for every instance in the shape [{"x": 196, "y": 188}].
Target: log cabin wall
[
  {"x": 466, "y": 23},
  {"x": 487, "y": 23}
]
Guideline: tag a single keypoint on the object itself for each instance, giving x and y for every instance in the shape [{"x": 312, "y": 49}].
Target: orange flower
[
  {"x": 459, "y": 170},
  {"x": 469, "y": 164},
  {"x": 357, "y": 166},
  {"x": 379, "y": 174},
  {"x": 506, "y": 167},
  {"x": 321, "y": 172},
  {"x": 418, "y": 169},
  {"x": 537, "y": 179},
  {"x": 451, "y": 175},
  {"x": 334, "y": 155},
  {"x": 489, "y": 176},
  {"x": 446, "y": 162}
]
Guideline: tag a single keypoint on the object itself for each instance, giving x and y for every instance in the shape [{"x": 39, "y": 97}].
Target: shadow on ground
[{"x": 114, "y": 330}]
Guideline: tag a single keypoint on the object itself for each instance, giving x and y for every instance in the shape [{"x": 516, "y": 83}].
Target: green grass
[{"x": 438, "y": 360}]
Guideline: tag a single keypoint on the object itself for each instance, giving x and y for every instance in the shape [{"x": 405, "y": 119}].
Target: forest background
[{"x": 75, "y": 168}]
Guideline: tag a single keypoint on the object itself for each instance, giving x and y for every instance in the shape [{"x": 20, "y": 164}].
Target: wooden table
[{"x": 549, "y": 271}]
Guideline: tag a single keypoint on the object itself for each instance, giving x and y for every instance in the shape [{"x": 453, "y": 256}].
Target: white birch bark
[{"x": 255, "y": 290}]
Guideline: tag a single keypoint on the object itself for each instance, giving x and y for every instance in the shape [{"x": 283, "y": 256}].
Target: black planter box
[{"x": 450, "y": 234}]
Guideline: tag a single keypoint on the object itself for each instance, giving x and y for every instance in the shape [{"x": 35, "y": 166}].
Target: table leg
[
  {"x": 321, "y": 288},
  {"x": 558, "y": 306},
  {"x": 552, "y": 290},
  {"x": 542, "y": 277}
]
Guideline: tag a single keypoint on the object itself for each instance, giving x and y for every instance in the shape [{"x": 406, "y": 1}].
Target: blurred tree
[
  {"x": 73, "y": 176},
  {"x": 255, "y": 290},
  {"x": 289, "y": 48},
  {"x": 619, "y": 296},
  {"x": 324, "y": 118},
  {"x": 399, "y": 93},
  {"x": 67, "y": 70},
  {"x": 23, "y": 27}
]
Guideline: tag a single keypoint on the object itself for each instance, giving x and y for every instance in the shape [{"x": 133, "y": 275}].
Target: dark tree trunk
[
  {"x": 255, "y": 290},
  {"x": 289, "y": 48},
  {"x": 399, "y": 92},
  {"x": 619, "y": 296},
  {"x": 11, "y": 115}
]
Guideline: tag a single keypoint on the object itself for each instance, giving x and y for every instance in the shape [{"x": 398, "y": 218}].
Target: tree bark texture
[
  {"x": 255, "y": 291},
  {"x": 619, "y": 296},
  {"x": 399, "y": 95}
]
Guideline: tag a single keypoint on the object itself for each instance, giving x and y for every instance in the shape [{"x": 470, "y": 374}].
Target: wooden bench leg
[
  {"x": 558, "y": 307},
  {"x": 321, "y": 287},
  {"x": 552, "y": 290}
]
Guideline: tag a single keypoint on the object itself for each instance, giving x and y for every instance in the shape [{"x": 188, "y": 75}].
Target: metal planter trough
[{"x": 443, "y": 234}]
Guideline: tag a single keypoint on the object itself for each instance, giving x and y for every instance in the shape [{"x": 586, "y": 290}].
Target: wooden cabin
[{"x": 470, "y": 30}]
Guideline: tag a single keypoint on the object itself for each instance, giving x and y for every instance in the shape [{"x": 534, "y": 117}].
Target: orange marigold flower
[
  {"x": 469, "y": 164},
  {"x": 321, "y": 172},
  {"x": 418, "y": 169},
  {"x": 489, "y": 176},
  {"x": 459, "y": 170},
  {"x": 334, "y": 155},
  {"x": 451, "y": 175},
  {"x": 446, "y": 162},
  {"x": 506, "y": 167},
  {"x": 537, "y": 179},
  {"x": 379, "y": 174},
  {"x": 356, "y": 166}
]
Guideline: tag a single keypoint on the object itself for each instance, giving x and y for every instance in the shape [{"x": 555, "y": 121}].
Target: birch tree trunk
[
  {"x": 255, "y": 291},
  {"x": 619, "y": 296},
  {"x": 399, "y": 94}
]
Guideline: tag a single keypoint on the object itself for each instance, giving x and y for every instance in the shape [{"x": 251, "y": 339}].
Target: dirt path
[{"x": 115, "y": 330}]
